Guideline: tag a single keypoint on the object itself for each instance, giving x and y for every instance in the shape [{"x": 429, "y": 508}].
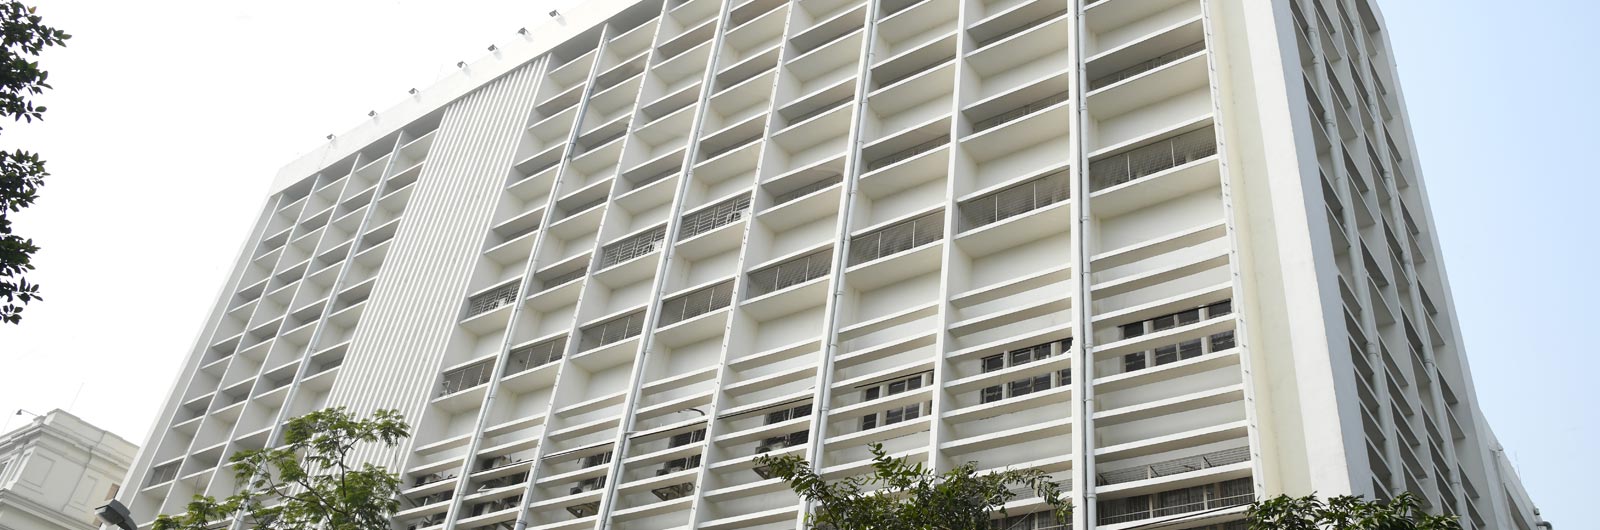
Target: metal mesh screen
[
  {"x": 717, "y": 216},
  {"x": 493, "y": 299},
  {"x": 1016, "y": 200},
  {"x": 633, "y": 247},
  {"x": 1019, "y": 112},
  {"x": 1153, "y": 158},
  {"x": 696, "y": 303},
  {"x": 898, "y": 238},
  {"x": 535, "y": 355},
  {"x": 163, "y": 473},
  {"x": 907, "y": 153},
  {"x": 613, "y": 330},
  {"x": 790, "y": 273},
  {"x": 466, "y": 377},
  {"x": 1146, "y": 66}
]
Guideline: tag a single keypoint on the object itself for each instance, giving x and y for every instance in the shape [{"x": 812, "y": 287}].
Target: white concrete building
[
  {"x": 1177, "y": 253},
  {"x": 56, "y": 470}
]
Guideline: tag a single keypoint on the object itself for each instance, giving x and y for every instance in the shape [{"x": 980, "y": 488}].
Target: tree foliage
[
  {"x": 23, "y": 36},
  {"x": 1345, "y": 513},
  {"x": 310, "y": 481},
  {"x": 900, "y": 495}
]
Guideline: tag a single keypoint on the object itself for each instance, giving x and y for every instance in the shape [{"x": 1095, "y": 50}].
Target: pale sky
[{"x": 170, "y": 118}]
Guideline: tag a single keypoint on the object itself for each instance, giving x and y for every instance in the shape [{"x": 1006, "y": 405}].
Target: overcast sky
[{"x": 170, "y": 118}]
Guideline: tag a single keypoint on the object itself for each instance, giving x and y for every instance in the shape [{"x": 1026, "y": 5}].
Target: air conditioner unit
[
  {"x": 765, "y": 472},
  {"x": 584, "y": 510},
  {"x": 674, "y": 492}
]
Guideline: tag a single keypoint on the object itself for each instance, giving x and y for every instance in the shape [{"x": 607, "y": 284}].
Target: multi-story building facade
[
  {"x": 1177, "y": 253},
  {"x": 55, "y": 470}
]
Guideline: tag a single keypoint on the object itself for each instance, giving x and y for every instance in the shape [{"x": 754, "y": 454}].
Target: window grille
[
  {"x": 896, "y": 239},
  {"x": 790, "y": 273},
  {"x": 907, "y": 153},
  {"x": 614, "y": 330},
  {"x": 713, "y": 217},
  {"x": 466, "y": 377},
  {"x": 1152, "y": 64},
  {"x": 807, "y": 189},
  {"x": 1175, "y": 466},
  {"x": 633, "y": 247},
  {"x": 584, "y": 207},
  {"x": 492, "y": 299},
  {"x": 1019, "y": 112},
  {"x": 731, "y": 146},
  {"x": 1045, "y": 520},
  {"x": 696, "y": 303},
  {"x": 535, "y": 355},
  {"x": 1016, "y": 200},
  {"x": 1036, "y": 22},
  {"x": 1152, "y": 159}
]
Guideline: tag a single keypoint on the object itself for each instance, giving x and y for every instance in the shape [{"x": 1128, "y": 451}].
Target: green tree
[
  {"x": 901, "y": 495},
  {"x": 1344, "y": 513},
  {"x": 310, "y": 481},
  {"x": 23, "y": 36}
]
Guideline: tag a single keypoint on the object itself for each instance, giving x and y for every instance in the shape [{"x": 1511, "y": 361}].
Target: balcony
[
  {"x": 907, "y": 153},
  {"x": 1174, "y": 467},
  {"x": 713, "y": 217},
  {"x": 1146, "y": 66},
  {"x": 492, "y": 299},
  {"x": 1237, "y": 492},
  {"x": 612, "y": 331},
  {"x": 697, "y": 303},
  {"x": 1016, "y": 200},
  {"x": 633, "y": 247},
  {"x": 790, "y": 273},
  {"x": 466, "y": 377},
  {"x": 1152, "y": 159},
  {"x": 535, "y": 355},
  {"x": 898, "y": 238}
]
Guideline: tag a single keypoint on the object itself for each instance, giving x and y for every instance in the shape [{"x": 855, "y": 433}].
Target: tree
[
  {"x": 1344, "y": 513},
  {"x": 311, "y": 481},
  {"x": 900, "y": 495},
  {"x": 23, "y": 36}
]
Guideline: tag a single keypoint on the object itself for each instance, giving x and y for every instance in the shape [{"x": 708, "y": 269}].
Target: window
[
  {"x": 1027, "y": 385},
  {"x": 889, "y": 388},
  {"x": 680, "y": 440},
  {"x": 1189, "y": 349}
]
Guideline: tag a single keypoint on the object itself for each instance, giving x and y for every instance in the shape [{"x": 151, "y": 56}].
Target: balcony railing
[
  {"x": 1036, "y": 22},
  {"x": 696, "y": 303},
  {"x": 1235, "y": 492},
  {"x": 807, "y": 189},
  {"x": 1016, "y": 200},
  {"x": 562, "y": 279},
  {"x": 790, "y": 273},
  {"x": 611, "y": 331},
  {"x": 492, "y": 299},
  {"x": 907, "y": 153},
  {"x": 1019, "y": 112},
  {"x": 1151, "y": 159},
  {"x": 1152, "y": 64},
  {"x": 535, "y": 355},
  {"x": 466, "y": 377},
  {"x": 633, "y": 247},
  {"x": 1175, "y": 466},
  {"x": 895, "y": 239},
  {"x": 717, "y": 216},
  {"x": 820, "y": 110}
]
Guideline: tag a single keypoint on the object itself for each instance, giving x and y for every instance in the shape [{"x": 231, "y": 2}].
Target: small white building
[{"x": 56, "y": 470}]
